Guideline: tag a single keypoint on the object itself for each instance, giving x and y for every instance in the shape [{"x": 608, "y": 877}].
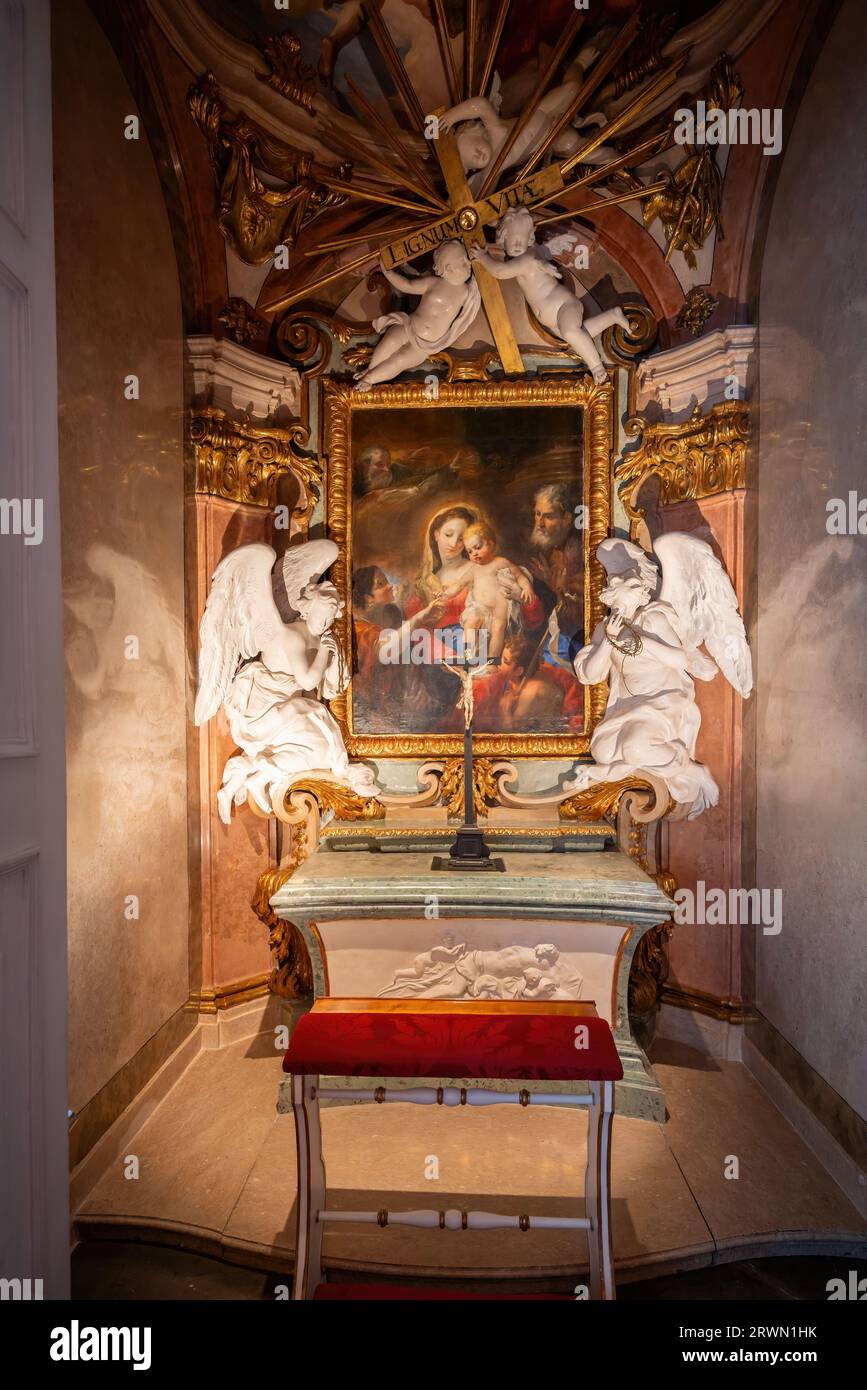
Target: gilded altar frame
[{"x": 339, "y": 402}]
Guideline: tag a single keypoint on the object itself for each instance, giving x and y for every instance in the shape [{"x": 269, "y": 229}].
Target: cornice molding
[
  {"x": 698, "y": 373},
  {"x": 234, "y": 379}
]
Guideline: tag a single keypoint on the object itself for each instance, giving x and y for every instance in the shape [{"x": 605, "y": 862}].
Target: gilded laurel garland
[
  {"x": 339, "y": 402},
  {"x": 699, "y": 457},
  {"x": 243, "y": 462}
]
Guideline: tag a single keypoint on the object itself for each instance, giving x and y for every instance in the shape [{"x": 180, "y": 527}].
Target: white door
[{"x": 34, "y": 1235}]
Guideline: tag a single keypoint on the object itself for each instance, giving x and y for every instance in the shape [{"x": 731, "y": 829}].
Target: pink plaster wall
[
  {"x": 709, "y": 848},
  {"x": 228, "y": 942}
]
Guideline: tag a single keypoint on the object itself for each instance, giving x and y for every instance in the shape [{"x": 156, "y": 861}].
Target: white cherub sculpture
[
  {"x": 554, "y": 305},
  {"x": 648, "y": 651},
  {"x": 481, "y": 132},
  {"x": 450, "y": 300},
  {"x": 259, "y": 667}
]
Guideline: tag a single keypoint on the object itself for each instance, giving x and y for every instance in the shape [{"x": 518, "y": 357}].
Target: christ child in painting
[{"x": 488, "y": 608}]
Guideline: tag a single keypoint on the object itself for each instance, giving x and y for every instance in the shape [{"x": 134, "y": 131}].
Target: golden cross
[{"x": 465, "y": 222}]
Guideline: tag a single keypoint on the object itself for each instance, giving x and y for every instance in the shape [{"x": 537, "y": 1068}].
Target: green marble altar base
[{"x": 364, "y": 914}]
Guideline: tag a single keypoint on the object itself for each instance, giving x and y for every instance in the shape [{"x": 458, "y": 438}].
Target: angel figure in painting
[
  {"x": 266, "y": 673},
  {"x": 648, "y": 651},
  {"x": 554, "y": 305},
  {"x": 450, "y": 300}
]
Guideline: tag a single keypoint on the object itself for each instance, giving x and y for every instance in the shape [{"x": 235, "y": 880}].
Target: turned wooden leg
[
  {"x": 597, "y": 1188},
  {"x": 311, "y": 1186},
  {"x": 591, "y": 1187}
]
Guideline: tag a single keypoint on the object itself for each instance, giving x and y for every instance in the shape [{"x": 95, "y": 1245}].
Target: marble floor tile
[{"x": 721, "y": 1113}]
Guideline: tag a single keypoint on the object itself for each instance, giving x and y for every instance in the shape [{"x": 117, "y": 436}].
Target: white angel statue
[
  {"x": 259, "y": 667},
  {"x": 648, "y": 651}
]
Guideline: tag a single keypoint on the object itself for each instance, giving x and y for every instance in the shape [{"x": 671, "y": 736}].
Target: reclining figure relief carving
[{"x": 455, "y": 970}]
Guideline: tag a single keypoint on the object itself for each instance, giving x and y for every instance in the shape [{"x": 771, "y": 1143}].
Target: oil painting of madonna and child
[{"x": 467, "y": 544}]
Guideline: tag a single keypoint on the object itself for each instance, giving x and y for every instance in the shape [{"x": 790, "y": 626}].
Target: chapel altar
[{"x": 558, "y": 923}]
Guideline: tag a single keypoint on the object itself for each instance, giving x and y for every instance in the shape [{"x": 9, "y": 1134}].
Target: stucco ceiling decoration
[
  {"x": 205, "y": 46},
  {"x": 361, "y": 111},
  {"x": 450, "y": 189}
]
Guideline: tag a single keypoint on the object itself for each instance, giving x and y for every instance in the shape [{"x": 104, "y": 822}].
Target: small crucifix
[{"x": 469, "y": 850}]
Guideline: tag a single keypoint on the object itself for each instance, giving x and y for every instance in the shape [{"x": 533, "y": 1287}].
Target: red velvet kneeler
[{"x": 520, "y": 1040}]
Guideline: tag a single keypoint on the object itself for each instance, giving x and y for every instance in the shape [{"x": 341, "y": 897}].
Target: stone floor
[
  {"x": 121, "y": 1270},
  {"x": 217, "y": 1177}
]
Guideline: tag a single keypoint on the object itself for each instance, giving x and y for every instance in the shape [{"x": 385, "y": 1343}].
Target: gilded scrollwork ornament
[
  {"x": 289, "y": 75},
  {"x": 602, "y": 801},
  {"x": 649, "y": 969},
  {"x": 342, "y": 802},
  {"x": 244, "y": 463},
  {"x": 626, "y": 344},
  {"x": 254, "y": 216},
  {"x": 291, "y": 976},
  {"x": 485, "y": 792},
  {"x": 694, "y": 458},
  {"x": 305, "y": 343}
]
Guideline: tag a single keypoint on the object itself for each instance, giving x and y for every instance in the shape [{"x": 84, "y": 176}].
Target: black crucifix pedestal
[{"x": 469, "y": 851}]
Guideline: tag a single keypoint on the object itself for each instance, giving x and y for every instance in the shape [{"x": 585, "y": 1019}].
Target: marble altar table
[{"x": 554, "y": 925}]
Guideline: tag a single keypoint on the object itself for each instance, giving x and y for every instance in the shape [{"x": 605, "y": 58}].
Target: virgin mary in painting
[{"x": 441, "y": 580}]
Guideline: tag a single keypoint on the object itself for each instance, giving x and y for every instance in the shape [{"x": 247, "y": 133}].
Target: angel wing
[
  {"x": 239, "y": 616},
  {"x": 697, "y": 587},
  {"x": 299, "y": 565}
]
